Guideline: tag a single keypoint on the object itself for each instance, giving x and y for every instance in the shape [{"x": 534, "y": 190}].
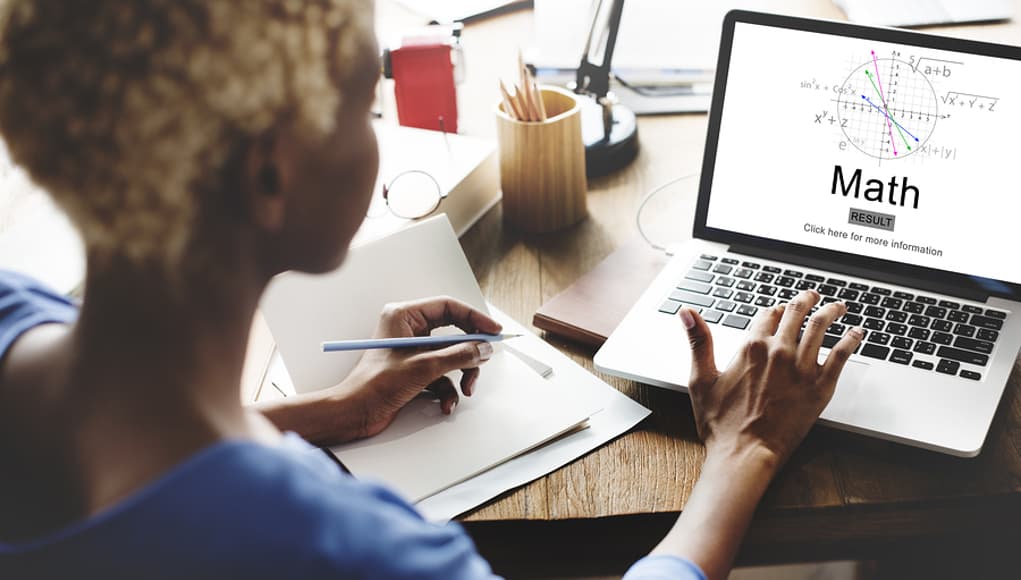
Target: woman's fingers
[
  {"x": 815, "y": 330},
  {"x": 839, "y": 354},
  {"x": 794, "y": 314},
  {"x": 429, "y": 313},
  {"x": 700, "y": 338},
  {"x": 766, "y": 322},
  {"x": 468, "y": 378},
  {"x": 444, "y": 389}
]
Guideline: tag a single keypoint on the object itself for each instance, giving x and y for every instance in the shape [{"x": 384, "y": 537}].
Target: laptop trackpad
[{"x": 847, "y": 398}]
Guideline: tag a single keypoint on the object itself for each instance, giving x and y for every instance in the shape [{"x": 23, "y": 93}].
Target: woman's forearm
[{"x": 710, "y": 529}]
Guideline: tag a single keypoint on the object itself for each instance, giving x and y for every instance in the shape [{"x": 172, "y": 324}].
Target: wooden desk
[{"x": 842, "y": 496}]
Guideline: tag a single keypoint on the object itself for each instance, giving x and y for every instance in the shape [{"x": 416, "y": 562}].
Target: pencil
[
  {"x": 538, "y": 100},
  {"x": 515, "y": 109},
  {"x": 412, "y": 341}
]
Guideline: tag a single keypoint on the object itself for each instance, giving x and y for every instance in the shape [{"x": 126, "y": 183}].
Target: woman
[{"x": 202, "y": 146}]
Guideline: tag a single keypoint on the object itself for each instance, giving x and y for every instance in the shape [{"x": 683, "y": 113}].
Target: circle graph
[{"x": 887, "y": 109}]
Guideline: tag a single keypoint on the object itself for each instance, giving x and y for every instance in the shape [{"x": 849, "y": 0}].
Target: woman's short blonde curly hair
[{"x": 127, "y": 112}]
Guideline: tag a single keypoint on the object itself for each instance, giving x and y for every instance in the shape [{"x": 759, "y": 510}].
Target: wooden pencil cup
[{"x": 542, "y": 165}]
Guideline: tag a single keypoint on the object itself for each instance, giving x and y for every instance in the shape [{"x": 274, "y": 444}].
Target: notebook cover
[{"x": 589, "y": 310}]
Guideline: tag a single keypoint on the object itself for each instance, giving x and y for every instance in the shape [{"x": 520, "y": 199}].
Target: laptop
[{"x": 877, "y": 167}]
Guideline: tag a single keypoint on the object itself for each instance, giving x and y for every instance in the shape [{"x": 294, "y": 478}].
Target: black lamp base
[{"x": 606, "y": 154}]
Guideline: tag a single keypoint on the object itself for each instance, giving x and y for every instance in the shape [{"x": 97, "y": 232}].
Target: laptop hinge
[{"x": 967, "y": 293}]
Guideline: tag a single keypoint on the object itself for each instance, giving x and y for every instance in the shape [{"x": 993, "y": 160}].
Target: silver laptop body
[{"x": 875, "y": 166}]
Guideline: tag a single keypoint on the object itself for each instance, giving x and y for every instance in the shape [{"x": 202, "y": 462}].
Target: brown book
[{"x": 594, "y": 305}]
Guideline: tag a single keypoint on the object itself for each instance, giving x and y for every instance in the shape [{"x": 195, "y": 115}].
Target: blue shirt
[{"x": 240, "y": 509}]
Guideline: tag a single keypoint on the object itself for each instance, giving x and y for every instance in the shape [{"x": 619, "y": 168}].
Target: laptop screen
[{"x": 890, "y": 151}]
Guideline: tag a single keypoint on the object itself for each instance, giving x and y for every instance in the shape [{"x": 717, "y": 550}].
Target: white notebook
[{"x": 423, "y": 452}]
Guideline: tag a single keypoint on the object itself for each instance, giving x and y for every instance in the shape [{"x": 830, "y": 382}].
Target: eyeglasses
[{"x": 410, "y": 194}]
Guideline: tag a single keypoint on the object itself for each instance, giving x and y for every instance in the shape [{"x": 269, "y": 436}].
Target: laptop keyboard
[{"x": 928, "y": 333}]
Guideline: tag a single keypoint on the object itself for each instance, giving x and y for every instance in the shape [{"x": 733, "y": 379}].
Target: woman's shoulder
[
  {"x": 26, "y": 303},
  {"x": 244, "y": 508}
]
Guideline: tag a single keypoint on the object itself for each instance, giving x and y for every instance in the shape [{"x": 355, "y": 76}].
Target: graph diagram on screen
[{"x": 887, "y": 108}]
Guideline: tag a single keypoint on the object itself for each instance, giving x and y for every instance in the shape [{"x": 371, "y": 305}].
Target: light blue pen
[{"x": 412, "y": 341}]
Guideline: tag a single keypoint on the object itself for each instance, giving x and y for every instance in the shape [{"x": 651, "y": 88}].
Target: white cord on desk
[{"x": 645, "y": 200}]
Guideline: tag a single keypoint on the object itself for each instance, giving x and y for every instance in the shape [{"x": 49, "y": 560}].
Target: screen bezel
[{"x": 967, "y": 283}]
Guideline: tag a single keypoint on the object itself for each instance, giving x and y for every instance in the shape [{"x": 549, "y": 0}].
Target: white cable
[{"x": 645, "y": 200}]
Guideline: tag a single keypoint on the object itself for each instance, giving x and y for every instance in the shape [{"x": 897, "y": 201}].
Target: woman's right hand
[{"x": 774, "y": 390}]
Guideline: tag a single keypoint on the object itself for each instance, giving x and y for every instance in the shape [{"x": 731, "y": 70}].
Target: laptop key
[
  {"x": 751, "y": 265},
  {"x": 875, "y": 351},
  {"x": 805, "y": 285},
  {"x": 896, "y": 328},
  {"x": 787, "y": 293},
  {"x": 764, "y": 277},
  {"x": 771, "y": 269},
  {"x": 964, "y": 330},
  {"x": 784, "y": 281},
  {"x": 923, "y": 364},
  {"x": 827, "y": 290},
  {"x": 914, "y": 307},
  {"x": 836, "y": 282},
  {"x": 957, "y": 316},
  {"x": 689, "y": 298},
  {"x": 852, "y": 319},
  {"x": 858, "y": 286},
  {"x": 725, "y": 282},
  {"x": 723, "y": 293},
  {"x": 971, "y": 375},
  {"x": 919, "y": 333},
  {"x": 920, "y": 321},
  {"x": 830, "y": 340},
  {"x": 986, "y": 334},
  {"x": 700, "y": 276},
  {"x": 948, "y": 367},
  {"x": 692, "y": 286},
  {"x": 904, "y": 295},
  {"x": 942, "y": 338},
  {"x": 996, "y": 314},
  {"x": 873, "y": 324},
  {"x": 972, "y": 309},
  {"x": 942, "y": 325},
  {"x": 792, "y": 273},
  {"x": 925, "y": 300},
  {"x": 848, "y": 294},
  {"x": 961, "y": 355},
  {"x": 870, "y": 298},
  {"x": 878, "y": 338},
  {"x": 897, "y": 316},
  {"x": 837, "y": 329},
  {"x": 726, "y": 305},
  {"x": 744, "y": 297},
  {"x": 746, "y": 310},
  {"x": 901, "y": 342},
  {"x": 730, "y": 261},
  {"x": 723, "y": 269},
  {"x": 894, "y": 303},
  {"x": 980, "y": 346},
  {"x": 746, "y": 285},
  {"x": 881, "y": 291},
  {"x": 701, "y": 265},
  {"x": 708, "y": 257},
  {"x": 814, "y": 278},
  {"x": 855, "y": 307},
  {"x": 986, "y": 322},
  {"x": 765, "y": 301},
  {"x": 936, "y": 311},
  {"x": 902, "y": 357},
  {"x": 735, "y": 321},
  {"x": 743, "y": 273},
  {"x": 922, "y": 347},
  {"x": 670, "y": 307},
  {"x": 875, "y": 311},
  {"x": 949, "y": 304},
  {"x": 712, "y": 316},
  {"x": 766, "y": 290}
]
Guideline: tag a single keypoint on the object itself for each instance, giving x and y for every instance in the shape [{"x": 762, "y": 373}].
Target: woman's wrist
[
  {"x": 753, "y": 460},
  {"x": 329, "y": 416}
]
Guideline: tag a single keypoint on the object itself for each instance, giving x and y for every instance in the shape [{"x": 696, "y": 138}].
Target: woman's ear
[{"x": 264, "y": 189}]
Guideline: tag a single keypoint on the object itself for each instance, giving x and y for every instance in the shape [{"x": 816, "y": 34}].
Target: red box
[{"x": 424, "y": 87}]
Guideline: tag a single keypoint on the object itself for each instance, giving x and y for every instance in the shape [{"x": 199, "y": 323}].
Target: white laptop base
[{"x": 897, "y": 402}]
